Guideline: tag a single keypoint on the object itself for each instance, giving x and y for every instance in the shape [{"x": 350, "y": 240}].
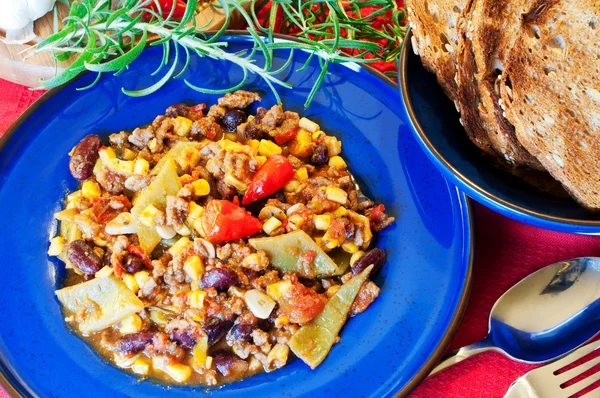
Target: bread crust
[{"x": 550, "y": 91}]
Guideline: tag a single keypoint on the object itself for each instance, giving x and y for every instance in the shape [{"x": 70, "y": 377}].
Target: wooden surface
[{"x": 15, "y": 68}]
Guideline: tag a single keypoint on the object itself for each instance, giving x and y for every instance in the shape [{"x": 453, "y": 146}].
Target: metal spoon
[{"x": 544, "y": 316}]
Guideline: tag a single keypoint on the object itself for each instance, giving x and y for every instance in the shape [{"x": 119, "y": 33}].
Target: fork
[{"x": 543, "y": 382}]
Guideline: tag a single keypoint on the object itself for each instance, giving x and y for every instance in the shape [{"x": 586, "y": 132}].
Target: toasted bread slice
[
  {"x": 487, "y": 30},
  {"x": 435, "y": 37},
  {"x": 550, "y": 92}
]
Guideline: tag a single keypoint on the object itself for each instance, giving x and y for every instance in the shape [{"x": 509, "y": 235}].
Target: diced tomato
[
  {"x": 139, "y": 252},
  {"x": 301, "y": 304},
  {"x": 224, "y": 221},
  {"x": 103, "y": 212},
  {"x": 270, "y": 178},
  {"x": 286, "y": 137},
  {"x": 196, "y": 112}
]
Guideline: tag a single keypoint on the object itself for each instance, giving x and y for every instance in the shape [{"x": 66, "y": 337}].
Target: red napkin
[{"x": 505, "y": 252}]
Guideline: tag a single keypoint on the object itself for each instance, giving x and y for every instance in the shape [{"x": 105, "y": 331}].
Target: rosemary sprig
[{"x": 102, "y": 39}]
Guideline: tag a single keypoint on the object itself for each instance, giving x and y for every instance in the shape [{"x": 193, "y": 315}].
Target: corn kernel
[
  {"x": 356, "y": 256},
  {"x": 309, "y": 125},
  {"x": 141, "y": 366},
  {"x": 121, "y": 166},
  {"x": 106, "y": 154},
  {"x": 332, "y": 290},
  {"x": 278, "y": 356},
  {"x": 302, "y": 173},
  {"x": 153, "y": 145},
  {"x": 340, "y": 212},
  {"x": 131, "y": 324},
  {"x": 197, "y": 225},
  {"x": 229, "y": 179},
  {"x": 302, "y": 145},
  {"x": 271, "y": 225},
  {"x": 127, "y": 154},
  {"x": 337, "y": 163},
  {"x": 193, "y": 267},
  {"x": 254, "y": 144},
  {"x": 188, "y": 158},
  {"x": 281, "y": 321},
  {"x": 141, "y": 167},
  {"x": 90, "y": 190},
  {"x": 279, "y": 289},
  {"x": 231, "y": 136},
  {"x": 336, "y": 195},
  {"x": 182, "y": 126},
  {"x": 209, "y": 361},
  {"x": 349, "y": 247},
  {"x": 178, "y": 372},
  {"x": 74, "y": 197},
  {"x": 184, "y": 179},
  {"x": 317, "y": 135},
  {"x": 200, "y": 352},
  {"x": 141, "y": 277},
  {"x": 322, "y": 222},
  {"x": 131, "y": 282},
  {"x": 297, "y": 220},
  {"x": 196, "y": 299},
  {"x": 183, "y": 231},
  {"x": 148, "y": 216},
  {"x": 292, "y": 186},
  {"x": 201, "y": 187},
  {"x": 232, "y": 146},
  {"x": 97, "y": 166},
  {"x": 104, "y": 272},
  {"x": 331, "y": 244},
  {"x": 100, "y": 239},
  {"x": 254, "y": 364},
  {"x": 57, "y": 245},
  {"x": 179, "y": 246},
  {"x": 195, "y": 212},
  {"x": 260, "y": 159},
  {"x": 334, "y": 146},
  {"x": 159, "y": 317},
  {"x": 268, "y": 148}
]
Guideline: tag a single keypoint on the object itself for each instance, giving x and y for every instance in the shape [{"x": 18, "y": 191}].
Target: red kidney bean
[
  {"x": 184, "y": 338},
  {"x": 230, "y": 365},
  {"x": 83, "y": 257},
  {"x": 216, "y": 328},
  {"x": 134, "y": 342},
  {"x": 242, "y": 329},
  {"x": 232, "y": 119},
  {"x": 132, "y": 264},
  {"x": 219, "y": 278},
  {"x": 320, "y": 154},
  {"x": 84, "y": 157},
  {"x": 374, "y": 256},
  {"x": 177, "y": 110}
]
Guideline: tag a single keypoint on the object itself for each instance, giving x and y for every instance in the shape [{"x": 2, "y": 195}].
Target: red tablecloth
[{"x": 505, "y": 252}]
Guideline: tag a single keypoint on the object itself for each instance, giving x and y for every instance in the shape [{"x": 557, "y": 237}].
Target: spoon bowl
[{"x": 544, "y": 316}]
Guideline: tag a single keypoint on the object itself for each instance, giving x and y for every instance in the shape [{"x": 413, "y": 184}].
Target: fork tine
[
  {"x": 575, "y": 388},
  {"x": 574, "y": 356},
  {"x": 572, "y": 373}
]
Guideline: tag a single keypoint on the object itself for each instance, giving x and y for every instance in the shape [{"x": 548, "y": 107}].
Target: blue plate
[
  {"x": 435, "y": 123},
  {"x": 388, "y": 349}
]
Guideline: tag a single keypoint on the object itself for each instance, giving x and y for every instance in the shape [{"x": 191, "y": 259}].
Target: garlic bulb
[{"x": 17, "y": 17}]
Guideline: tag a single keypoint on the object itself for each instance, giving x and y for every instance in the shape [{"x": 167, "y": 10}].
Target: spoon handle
[{"x": 456, "y": 356}]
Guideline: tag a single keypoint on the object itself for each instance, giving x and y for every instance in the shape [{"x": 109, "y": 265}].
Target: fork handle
[{"x": 456, "y": 356}]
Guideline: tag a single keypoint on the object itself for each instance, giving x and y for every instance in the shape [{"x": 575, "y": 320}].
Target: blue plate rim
[
  {"x": 474, "y": 190},
  {"x": 11, "y": 383}
]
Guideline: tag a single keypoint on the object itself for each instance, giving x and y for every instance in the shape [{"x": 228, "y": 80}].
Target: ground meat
[
  {"x": 206, "y": 127},
  {"x": 272, "y": 118},
  {"x": 149, "y": 289},
  {"x": 239, "y": 99},
  {"x": 136, "y": 183},
  {"x": 141, "y": 136},
  {"x": 261, "y": 339},
  {"x": 217, "y": 112},
  {"x": 240, "y": 165},
  {"x": 152, "y": 158},
  {"x": 177, "y": 211},
  {"x": 256, "y": 261},
  {"x": 263, "y": 281},
  {"x": 289, "y": 121},
  {"x": 366, "y": 295},
  {"x": 161, "y": 345},
  {"x": 110, "y": 181},
  {"x": 118, "y": 139},
  {"x": 186, "y": 192}
]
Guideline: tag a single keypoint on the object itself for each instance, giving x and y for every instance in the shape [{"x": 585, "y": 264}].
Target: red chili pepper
[
  {"x": 166, "y": 6},
  {"x": 285, "y": 137},
  {"x": 224, "y": 221},
  {"x": 270, "y": 178},
  {"x": 118, "y": 267},
  {"x": 139, "y": 252}
]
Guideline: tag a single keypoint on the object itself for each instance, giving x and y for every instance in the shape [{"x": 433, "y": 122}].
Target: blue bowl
[
  {"x": 435, "y": 123},
  {"x": 386, "y": 350}
]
